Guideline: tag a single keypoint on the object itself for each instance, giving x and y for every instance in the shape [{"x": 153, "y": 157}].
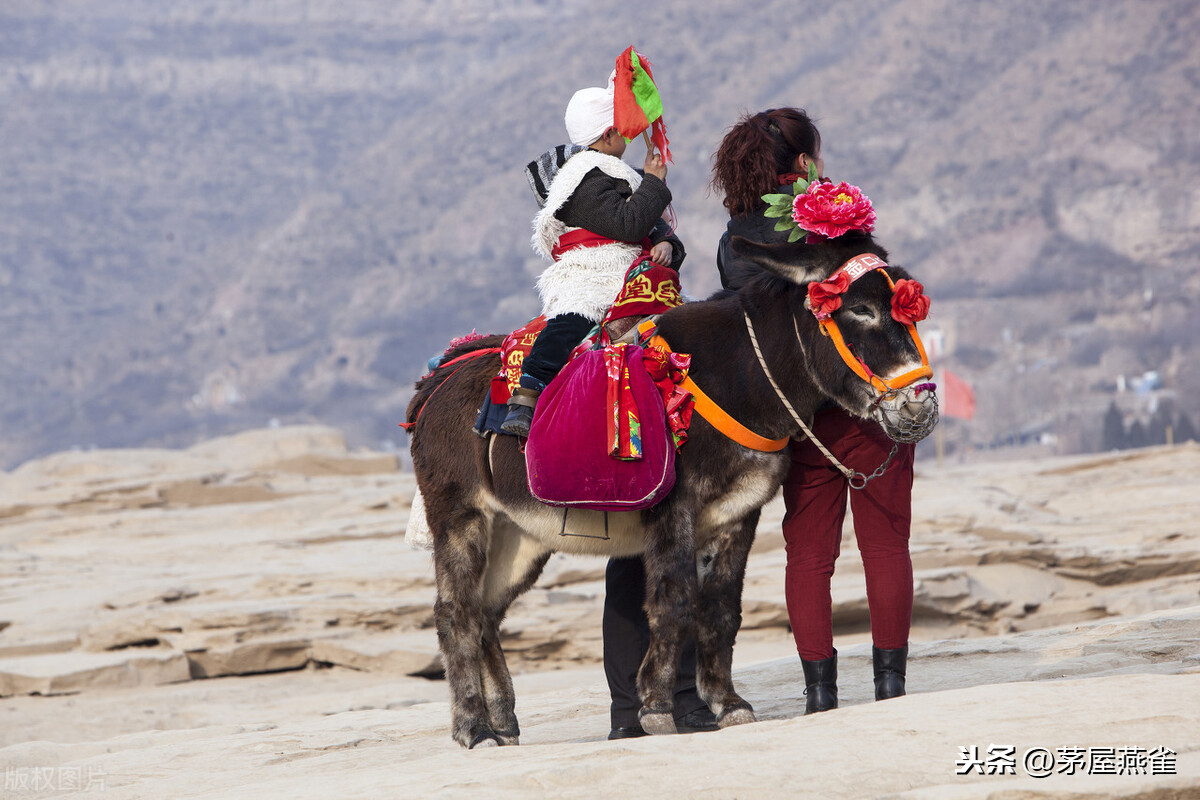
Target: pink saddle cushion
[{"x": 567, "y": 456}]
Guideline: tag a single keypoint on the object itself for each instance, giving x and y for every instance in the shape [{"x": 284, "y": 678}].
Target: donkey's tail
[{"x": 451, "y": 361}]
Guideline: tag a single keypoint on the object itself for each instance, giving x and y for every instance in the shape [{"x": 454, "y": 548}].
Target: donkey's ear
[{"x": 792, "y": 261}]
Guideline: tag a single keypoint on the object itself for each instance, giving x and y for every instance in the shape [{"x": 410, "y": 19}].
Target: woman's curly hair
[{"x": 758, "y": 149}]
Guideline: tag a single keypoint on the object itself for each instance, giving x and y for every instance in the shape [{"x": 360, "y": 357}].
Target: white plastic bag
[{"x": 417, "y": 535}]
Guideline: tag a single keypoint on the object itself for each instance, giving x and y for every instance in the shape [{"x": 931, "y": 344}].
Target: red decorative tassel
[{"x": 658, "y": 135}]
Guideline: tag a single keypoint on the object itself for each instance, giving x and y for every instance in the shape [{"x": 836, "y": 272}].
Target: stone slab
[
  {"x": 64, "y": 673},
  {"x": 249, "y": 658},
  {"x": 399, "y": 653}
]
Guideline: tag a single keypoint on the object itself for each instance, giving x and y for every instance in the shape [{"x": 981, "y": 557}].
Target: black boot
[
  {"x": 889, "y": 672},
  {"x": 821, "y": 679},
  {"x": 520, "y": 412}
]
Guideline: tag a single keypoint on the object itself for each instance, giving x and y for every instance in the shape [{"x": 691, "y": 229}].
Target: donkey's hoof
[
  {"x": 657, "y": 723},
  {"x": 484, "y": 740},
  {"x": 508, "y": 739},
  {"x": 738, "y": 715}
]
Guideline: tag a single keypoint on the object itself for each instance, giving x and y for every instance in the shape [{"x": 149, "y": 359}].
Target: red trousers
[{"x": 815, "y": 497}]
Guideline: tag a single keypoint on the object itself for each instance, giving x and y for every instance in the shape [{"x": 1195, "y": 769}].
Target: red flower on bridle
[
  {"x": 826, "y": 297},
  {"x": 909, "y": 303}
]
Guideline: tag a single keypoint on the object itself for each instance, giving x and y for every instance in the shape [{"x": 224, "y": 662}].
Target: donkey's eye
[{"x": 862, "y": 311}]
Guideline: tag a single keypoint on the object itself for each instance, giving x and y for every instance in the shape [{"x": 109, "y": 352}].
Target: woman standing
[{"x": 764, "y": 154}]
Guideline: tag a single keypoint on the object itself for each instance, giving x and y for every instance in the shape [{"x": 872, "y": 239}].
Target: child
[{"x": 597, "y": 216}]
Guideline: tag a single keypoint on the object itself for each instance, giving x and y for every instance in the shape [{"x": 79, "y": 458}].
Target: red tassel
[{"x": 658, "y": 135}]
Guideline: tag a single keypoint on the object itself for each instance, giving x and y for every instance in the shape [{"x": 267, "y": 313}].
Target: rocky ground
[{"x": 243, "y": 618}]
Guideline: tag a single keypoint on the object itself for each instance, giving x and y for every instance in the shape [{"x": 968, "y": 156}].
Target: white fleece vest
[{"x": 585, "y": 280}]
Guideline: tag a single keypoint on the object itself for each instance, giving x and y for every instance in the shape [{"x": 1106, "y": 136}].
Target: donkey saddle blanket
[{"x": 600, "y": 438}]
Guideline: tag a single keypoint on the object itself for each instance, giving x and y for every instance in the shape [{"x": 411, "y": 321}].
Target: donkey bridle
[{"x": 856, "y": 267}]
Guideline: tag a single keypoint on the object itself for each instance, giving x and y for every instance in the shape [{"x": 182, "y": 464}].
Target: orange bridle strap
[
  {"x": 830, "y": 328},
  {"x": 716, "y": 416}
]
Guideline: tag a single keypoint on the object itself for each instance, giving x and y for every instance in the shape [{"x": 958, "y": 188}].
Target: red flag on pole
[{"x": 958, "y": 398}]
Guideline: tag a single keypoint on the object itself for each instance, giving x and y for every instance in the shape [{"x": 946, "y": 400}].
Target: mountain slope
[{"x": 214, "y": 215}]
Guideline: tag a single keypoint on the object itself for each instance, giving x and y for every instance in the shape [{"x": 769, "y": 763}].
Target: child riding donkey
[{"x": 599, "y": 218}]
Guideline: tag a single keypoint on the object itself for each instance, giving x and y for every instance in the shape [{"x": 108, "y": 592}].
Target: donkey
[{"x": 492, "y": 539}]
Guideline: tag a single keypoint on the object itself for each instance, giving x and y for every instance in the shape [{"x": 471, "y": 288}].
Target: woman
[{"x": 764, "y": 154}]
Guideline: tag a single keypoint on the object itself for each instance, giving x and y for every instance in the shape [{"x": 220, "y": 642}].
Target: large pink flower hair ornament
[{"x": 820, "y": 209}]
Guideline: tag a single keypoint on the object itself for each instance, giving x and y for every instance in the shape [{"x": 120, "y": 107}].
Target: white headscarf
[{"x": 590, "y": 113}]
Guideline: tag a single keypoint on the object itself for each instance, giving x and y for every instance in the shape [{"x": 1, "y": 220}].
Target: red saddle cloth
[{"x": 600, "y": 438}]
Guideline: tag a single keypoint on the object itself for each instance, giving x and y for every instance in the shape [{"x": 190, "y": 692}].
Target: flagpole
[
  {"x": 646, "y": 137},
  {"x": 939, "y": 439}
]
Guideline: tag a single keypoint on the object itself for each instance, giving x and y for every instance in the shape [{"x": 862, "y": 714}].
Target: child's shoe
[{"x": 520, "y": 411}]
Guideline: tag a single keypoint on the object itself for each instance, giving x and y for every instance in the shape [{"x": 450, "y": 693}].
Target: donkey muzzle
[{"x": 908, "y": 415}]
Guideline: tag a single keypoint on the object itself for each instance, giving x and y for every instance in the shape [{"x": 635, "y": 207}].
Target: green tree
[
  {"x": 1113, "y": 437},
  {"x": 1156, "y": 433},
  {"x": 1184, "y": 430},
  {"x": 1137, "y": 434}
]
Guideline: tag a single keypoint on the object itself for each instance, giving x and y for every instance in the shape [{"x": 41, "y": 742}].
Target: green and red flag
[{"x": 636, "y": 104}]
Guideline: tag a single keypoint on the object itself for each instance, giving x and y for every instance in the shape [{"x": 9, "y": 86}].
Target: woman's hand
[
  {"x": 654, "y": 166},
  {"x": 662, "y": 252}
]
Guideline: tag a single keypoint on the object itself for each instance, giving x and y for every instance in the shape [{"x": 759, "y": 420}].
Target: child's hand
[
  {"x": 654, "y": 166},
  {"x": 661, "y": 254}
]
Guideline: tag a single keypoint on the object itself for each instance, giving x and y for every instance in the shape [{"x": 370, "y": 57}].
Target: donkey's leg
[
  {"x": 722, "y": 566},
  {"x": 670, "y": 605},
  {"x": 461, "y": 534},
  {"x": 514, "y": 562}
]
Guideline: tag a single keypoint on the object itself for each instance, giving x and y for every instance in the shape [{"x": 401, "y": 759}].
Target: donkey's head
[{"x": 855, "y": 318}]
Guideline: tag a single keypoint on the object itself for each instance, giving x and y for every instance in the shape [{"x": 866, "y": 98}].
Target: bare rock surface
[{"x": 243, "y": 618}]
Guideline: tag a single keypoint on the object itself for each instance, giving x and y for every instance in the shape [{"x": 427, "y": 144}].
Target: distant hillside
[{"x": 213, "y": 214}]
